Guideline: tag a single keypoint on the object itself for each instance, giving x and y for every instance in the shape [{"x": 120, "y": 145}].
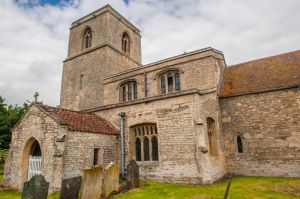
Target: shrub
[{"x": 3, "y": 153}]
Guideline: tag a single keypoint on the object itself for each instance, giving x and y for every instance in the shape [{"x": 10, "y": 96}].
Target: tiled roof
[
  {"x": 80, "y": 121},
  {"x": 270, "y": 73}
]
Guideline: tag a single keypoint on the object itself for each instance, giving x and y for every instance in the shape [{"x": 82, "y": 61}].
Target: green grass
[{"x": 241, "y": 187}]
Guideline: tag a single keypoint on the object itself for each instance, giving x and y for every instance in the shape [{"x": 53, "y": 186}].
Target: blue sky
[{"x": 34, "y": 37}]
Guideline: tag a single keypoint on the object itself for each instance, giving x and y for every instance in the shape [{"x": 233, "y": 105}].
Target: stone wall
[
  {"x": 180, "y": 158},
  {"x": 269, "y": 125},
  {"x": 198, "y": 70},
  {"x": 35, "y": 125},
  {"x": 79, "y": 151}
]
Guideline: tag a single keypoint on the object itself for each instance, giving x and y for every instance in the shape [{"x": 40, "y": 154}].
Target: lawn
[{"x": 241, "y": 187}]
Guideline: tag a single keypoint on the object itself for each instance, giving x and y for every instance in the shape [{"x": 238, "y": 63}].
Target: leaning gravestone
[
  {"x": 111, "y": 179},
  {"x": 35, "y": 188},
  {"x": 133, "y": 174},
  {"x": 91, "y": 183},
  {"x": 70, "y": 188}
]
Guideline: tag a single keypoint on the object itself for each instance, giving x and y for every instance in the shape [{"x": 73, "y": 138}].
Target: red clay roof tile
[
  {"x": 81, "y": 121},
  {"x": 270, "y": 73}
]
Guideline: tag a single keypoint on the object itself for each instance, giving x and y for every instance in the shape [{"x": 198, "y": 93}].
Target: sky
[{"x": 34, "y": 35}]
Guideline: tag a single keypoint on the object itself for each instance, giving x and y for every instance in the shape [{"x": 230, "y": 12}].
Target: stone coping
[{"x": 154, "y": 98}]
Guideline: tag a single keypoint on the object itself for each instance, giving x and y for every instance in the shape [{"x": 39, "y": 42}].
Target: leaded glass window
[
  {"x": 129, "y": 92},
  {"x": 170, "y": 82},
  {"x": 154, "y": 148},
  {"x": 146, "y": 149},
  {"x": 163, "y": 85},
  {"x": 177, "y": 82},
  {"x": 134, "y": 90},
  {"x": 138, "y": 153},
  {"x": 124, "y": 94}
]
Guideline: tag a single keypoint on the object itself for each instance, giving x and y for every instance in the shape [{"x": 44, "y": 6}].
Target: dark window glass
[
  {"x": 124, "y": 94},
  {"x": 129, "y": 92},
  {"x": 170, "y": 82},
  {"x": 125, "y": 43},
  {"x": 134, "y": 90},
  {"x": 146, "y": 149},
  {"x": 177, "y": 82},
  {"x": 154, "y": 143},
  {"x": 138, "y": 154},
  {"x": 95, "y": 159},
  {"x": 239, "y": 144},
  {"x": 163, "y": 85}
]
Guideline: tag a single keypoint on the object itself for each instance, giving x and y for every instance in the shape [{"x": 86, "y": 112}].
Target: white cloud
[{"x": 34, "y": 38}]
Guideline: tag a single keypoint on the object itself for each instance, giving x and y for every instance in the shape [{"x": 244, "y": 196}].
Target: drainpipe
[
  {"x": 122, "y": 144},
  {"x": 145, "y": 85}
]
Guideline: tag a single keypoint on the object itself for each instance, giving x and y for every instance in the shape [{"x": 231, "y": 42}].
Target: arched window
[
  {"x": 154, "y": 144},
  {"x": 212, "y": 138},
  {"x": 239, "y": 144},
  {"x": 125, "y": 43},
  {"x": 128, "y": 91},
  {"x": 138, "y": 152},
  {"x": 87, "y": 38},
  {"x": 146, "y": 149},
  {"x": 145, "y": 142},
  {"x": 170, "y": 82}
]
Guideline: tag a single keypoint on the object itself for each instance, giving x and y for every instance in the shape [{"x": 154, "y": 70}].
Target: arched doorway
[{"x": 31, "y": 160}]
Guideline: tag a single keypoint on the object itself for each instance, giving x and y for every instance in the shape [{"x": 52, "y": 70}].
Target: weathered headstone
[
  {"x": 91, "y": 183},
  {"x": 111, "y": 179},
  {"x": 133, "y": 174},
  {"x": 35, "y": 188},
  {"x": 70, "y": 188}
]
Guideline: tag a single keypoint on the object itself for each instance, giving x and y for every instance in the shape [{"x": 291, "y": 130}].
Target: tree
[{"x": 9, "y": 116}]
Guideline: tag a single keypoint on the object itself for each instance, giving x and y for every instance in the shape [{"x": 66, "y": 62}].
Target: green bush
[{"x": 3, "y": 153}]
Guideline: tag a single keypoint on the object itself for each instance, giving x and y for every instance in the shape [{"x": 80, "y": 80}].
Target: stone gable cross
[{"x": 36, "y": 95}]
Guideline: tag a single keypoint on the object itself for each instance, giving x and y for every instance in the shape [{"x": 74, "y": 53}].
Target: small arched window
[
  {"x": 239, "y": 144},
  {"x": 146, "y": 149},
  {"x": 138, "y": 154},
  {"x": 170, "y": 82},
  {"x": 125, "y": 43},
  {"x": 87, "y": 38},
  {"x": 154, "y": 144},
  {"x": 128, "y": 91}
]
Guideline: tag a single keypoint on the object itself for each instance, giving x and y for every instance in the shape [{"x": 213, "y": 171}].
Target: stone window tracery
[
  {"x": 87, "y": 38},
  {"x": 128, "y": 91},
  {"x": 125, "y": 43},
  {"x": 145, "y": 141},
  {"x": 170, "y": 82}
]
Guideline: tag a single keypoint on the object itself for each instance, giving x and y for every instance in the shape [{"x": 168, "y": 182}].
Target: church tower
[{"x": 101, "y": 44}]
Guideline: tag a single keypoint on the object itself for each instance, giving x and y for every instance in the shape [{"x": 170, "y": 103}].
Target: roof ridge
[{"x": 271, "y": 56}]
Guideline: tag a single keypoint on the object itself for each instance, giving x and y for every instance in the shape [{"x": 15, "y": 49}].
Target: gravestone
[
  {"x": 70, "y": 188},
  {"x": 35, "y": 188},
  {"x": 91, "y": 183},
  {"x": 133, "y": 174},
  {"x": 111, "y": 179}
]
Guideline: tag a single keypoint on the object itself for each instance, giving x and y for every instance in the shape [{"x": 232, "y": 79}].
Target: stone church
[{"x": 185, "y": 119}]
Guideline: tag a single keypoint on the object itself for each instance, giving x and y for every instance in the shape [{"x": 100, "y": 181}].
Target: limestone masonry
[{"x": 185, "y": 119}]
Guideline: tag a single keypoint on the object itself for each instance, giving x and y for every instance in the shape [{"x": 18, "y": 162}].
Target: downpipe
[{"x": 122, "y": 143}]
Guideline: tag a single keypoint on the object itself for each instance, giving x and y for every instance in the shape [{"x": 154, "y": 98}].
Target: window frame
[{"x": 169, "y": 82}]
